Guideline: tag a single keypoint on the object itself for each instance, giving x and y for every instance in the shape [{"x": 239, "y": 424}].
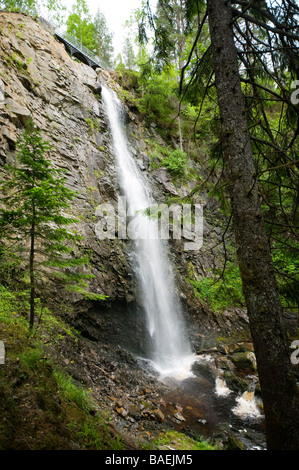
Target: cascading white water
[{"x": 171, "y": 353}]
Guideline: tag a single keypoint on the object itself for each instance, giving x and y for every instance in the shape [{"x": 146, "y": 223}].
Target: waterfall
[{"x": 171, "y": 353}]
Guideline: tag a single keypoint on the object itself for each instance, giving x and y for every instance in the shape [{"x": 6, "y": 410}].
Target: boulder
[
  {"x": 244, "y": 360},
  {"x": 234, "y": 382}
]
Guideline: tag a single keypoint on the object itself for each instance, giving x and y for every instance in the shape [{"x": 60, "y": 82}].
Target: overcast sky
[{"x": 116, "y": 12}]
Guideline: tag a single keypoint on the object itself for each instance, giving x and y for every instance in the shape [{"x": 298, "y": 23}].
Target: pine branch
[
  {"x": 262, "y": 24},
  {"x": 192, "y": 50}
]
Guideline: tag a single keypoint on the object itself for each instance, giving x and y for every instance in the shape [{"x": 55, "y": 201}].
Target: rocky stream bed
[{"x": 219, "y": 402}]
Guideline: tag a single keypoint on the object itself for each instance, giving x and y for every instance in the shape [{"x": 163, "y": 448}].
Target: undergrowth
[
  {"x": 179, "y": 441},
  {"x": 222, "y": 290},
  {"x": 42, "y": 407}
]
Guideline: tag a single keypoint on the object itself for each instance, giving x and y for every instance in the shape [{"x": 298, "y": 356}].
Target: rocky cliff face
[{"x": 40, "y": 80}]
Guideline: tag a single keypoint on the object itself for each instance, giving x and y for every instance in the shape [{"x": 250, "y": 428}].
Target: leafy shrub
[
  {"x": 176, "y": 162},
  {"x": 221, "y": 294}
]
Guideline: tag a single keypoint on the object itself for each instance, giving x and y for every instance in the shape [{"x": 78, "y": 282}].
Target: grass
[
  {"x": 72, "y": 392},
  {"x": 179, "y": 441},
  {"x": 42, "y": 407}
]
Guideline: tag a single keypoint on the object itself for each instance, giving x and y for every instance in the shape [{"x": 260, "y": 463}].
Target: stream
[{"x": 202, "y": 405}]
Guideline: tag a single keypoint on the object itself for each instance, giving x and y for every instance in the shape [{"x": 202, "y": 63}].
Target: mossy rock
[
  {"x": 234, "y": 443},
  {"x": 235, "y": 383},
  {"x": 244, "y": 360}
]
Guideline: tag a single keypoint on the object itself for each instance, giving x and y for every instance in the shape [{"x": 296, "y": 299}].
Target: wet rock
[
  {"x": 224, "y": 363},
  {"x": 127, "y": 357},
  {"x": 235, "y": 383},
  {"x": 157, "y": 415},
  {"x": 134, "y": 411},
  {"x": 141, "y": 164},
  {"x": 223, "y": 348},
  {"x": 179, "y": 417},
  {"x": 241, "y": 347},
  {"x": 244, "y": 360},
  {"x": 163, "y": 177},
  {"x": 206, "y": 370},
  {"x": 234, "y": 443},
  {"x": 207, "y": 351}
]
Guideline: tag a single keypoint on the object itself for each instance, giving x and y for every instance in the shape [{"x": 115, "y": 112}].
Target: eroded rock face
[{"x": 40, "y": 80}]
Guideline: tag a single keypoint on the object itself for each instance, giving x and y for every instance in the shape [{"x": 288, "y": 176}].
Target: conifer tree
[
  {"x": 34, "y": 231},
  {"x": 103, "y": 38}
]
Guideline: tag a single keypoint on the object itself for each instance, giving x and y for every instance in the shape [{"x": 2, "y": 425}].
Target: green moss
[
  {"x": 92, "y": 124},
  {"x": 180, "y": 441},
  {"x": 15, "y": 60},
  {"x": 30, "y": 358}
]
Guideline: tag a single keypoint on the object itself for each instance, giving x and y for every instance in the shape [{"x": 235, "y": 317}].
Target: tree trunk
[
  {"x": 180, "y": 132},
  {"x": 278, "y": 386}
]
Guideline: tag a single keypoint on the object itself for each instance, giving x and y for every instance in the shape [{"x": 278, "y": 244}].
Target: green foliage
[
  {"x": 31, "y": 357},
  {"x": 11, "y": 307},
  {"x": 83, "y": 30},
  {"x": 90, "y": 436},
  {"x": 179, "y": 441},
  {"x": 158, "y": 98},
  {"x": 103, "y": 38},
  {"x": 33, "y": 7},
  {"x": 129, "y": 78},
  {"x": 176, "y": 162},
  {"x": 54, "y": 327},
  {"x": 16, "y": 61},
  {"x": 128, "y": 54},
  {"x": 25, "y": 6},
  {"x": 56, "y": 10},
  {"x": 91, "y": 32},
  {"x": 72, "y": 392},
  {"x": 286, "y": 262},
  {"x": 222, "y": 292}
]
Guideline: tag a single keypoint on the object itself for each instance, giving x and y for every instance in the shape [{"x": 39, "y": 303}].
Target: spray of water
[{"x": 171, "y": 353}]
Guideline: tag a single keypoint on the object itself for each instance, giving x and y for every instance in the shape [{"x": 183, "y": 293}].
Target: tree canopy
[{"x": 92, "y": 33}]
